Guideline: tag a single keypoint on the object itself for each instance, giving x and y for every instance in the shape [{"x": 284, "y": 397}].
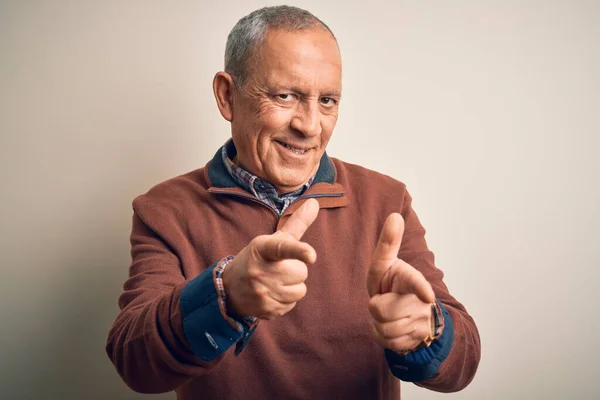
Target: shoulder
[
  {"x": 358, "y": 178},
  {"x": 173, "y": 196},
  {"x": 374, "y": 192}
]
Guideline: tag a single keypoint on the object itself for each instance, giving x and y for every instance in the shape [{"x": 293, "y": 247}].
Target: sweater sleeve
[
  {"x": 169, "y": 330},
  {"x": 451, "y": 368}
]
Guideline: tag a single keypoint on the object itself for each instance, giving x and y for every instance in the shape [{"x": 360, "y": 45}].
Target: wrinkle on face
[{"x": 308, "y": 66}]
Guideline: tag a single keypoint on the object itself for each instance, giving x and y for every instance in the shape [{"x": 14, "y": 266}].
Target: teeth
[{"x": 294, "y": 150}]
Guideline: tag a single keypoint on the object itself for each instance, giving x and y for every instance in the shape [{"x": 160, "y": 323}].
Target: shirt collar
[{"x": 252, "y": 183}]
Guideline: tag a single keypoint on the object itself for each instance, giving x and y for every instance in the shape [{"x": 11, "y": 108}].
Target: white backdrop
[{"x": 488, "y": 110}]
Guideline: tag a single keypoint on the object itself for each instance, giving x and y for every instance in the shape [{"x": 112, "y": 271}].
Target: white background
[{"x": 488, "y": 110}]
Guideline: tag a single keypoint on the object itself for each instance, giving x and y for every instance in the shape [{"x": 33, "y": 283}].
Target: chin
[{"x": 291, "y": 182}]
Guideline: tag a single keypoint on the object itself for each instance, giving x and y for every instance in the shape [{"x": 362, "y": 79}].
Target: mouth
[{"x": 295, "y": 150}]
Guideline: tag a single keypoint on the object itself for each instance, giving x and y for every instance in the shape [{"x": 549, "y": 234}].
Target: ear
[{"x": 223, "y": 90}]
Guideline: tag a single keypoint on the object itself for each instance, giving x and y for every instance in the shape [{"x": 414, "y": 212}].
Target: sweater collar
[{"x": 219, "y": 177}]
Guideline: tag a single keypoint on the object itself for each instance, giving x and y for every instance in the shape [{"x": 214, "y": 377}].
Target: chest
[{"x": 342, "y": 238}]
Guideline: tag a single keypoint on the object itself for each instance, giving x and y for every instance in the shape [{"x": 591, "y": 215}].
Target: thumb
[
  {"x": 302, "y": 219},
  {"x": 386, "y": 252}
]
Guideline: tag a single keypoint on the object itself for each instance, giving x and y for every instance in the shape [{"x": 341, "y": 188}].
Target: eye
[
  {"x": 328, "y": 101},
  {"x": 286, "y": 97}
]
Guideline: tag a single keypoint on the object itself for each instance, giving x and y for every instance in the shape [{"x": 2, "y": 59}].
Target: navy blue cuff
[
  {"x": 207, "y": 331},
  {"x": 424, "y": 363}
]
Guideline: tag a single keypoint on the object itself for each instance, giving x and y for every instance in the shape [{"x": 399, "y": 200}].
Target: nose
[{"x": 308, "y": 119}]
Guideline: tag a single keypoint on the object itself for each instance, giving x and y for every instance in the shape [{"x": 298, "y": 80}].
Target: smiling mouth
[{"x": 292, "y": 149}]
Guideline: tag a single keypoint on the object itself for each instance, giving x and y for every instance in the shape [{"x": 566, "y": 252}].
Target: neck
[{"x": 281, "y": 190}]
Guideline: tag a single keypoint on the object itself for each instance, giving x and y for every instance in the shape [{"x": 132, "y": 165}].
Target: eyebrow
[
  {"x": 326, "y": 93},
  {"x": 332, "y": 93}
]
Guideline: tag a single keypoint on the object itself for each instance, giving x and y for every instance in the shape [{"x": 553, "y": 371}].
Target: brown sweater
[{"x": 322, "y": 349}]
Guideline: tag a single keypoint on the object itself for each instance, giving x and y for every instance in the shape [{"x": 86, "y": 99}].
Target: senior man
[{"x": 275, "y": 271}]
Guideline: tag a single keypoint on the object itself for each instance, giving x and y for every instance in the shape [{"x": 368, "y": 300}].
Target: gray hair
[{"x": 250, "y": 31}]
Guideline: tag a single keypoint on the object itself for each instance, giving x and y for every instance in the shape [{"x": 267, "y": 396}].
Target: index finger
[
  {"x": 302, "y": 219},
  {"x": 281, "y": 247}
]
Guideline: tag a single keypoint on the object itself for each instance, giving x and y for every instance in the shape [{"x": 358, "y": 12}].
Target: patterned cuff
[{"x": 249, "y": 320}]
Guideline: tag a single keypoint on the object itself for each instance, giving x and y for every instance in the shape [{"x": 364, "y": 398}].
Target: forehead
[{"x": 309, "y": 59}]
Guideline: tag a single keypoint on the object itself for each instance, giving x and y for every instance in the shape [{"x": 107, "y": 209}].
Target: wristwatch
[
  {"x": 437, "y": 328},
  {"x": 437, "y": 324}
]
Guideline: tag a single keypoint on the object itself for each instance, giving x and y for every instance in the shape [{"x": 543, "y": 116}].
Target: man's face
[{"x": 284, "y": 115}]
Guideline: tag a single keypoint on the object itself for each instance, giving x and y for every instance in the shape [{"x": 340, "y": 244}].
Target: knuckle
[
  {"x": 381, "y": 311},
  {"x": 295, "y": 270},
  {"x": 385, "y": 330},
  {"x": 279, "y": 249},
  {"x": 277, "y": 311},
  {"x": 257, "y": 271},
  {"x": 302, "y": 271},
  {"x": 395, "y": 344},
  {"x": 379, "y": 339},
  {"x": 421, "y": 333},
  {"x": 253, "y": 274},
  {"x": 303, "y": 290},
  {"x": 260, "y": 293},
  {"x": 256, "y": 243},
  {"x": 400, "y": 344},
  {"x": 254, "y": 248},
  {"x": 260, "y": 239},
  {"x": 377, "y": 311},
  {"x": 425, "y": 312},
  {"x": 374, "y": 308},
  {"x": 281, "y": 311}
]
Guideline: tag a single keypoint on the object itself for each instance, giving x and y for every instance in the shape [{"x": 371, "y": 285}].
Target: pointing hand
[
  {"x": 401, "y": 297},
  {"x": 266, "y": 279}
]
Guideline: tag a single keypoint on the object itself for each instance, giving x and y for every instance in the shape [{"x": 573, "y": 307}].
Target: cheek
[{"x": 272, "y": 119}]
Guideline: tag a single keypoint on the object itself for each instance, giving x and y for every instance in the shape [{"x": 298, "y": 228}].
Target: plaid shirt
[{"x": 261, "y": 189}]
